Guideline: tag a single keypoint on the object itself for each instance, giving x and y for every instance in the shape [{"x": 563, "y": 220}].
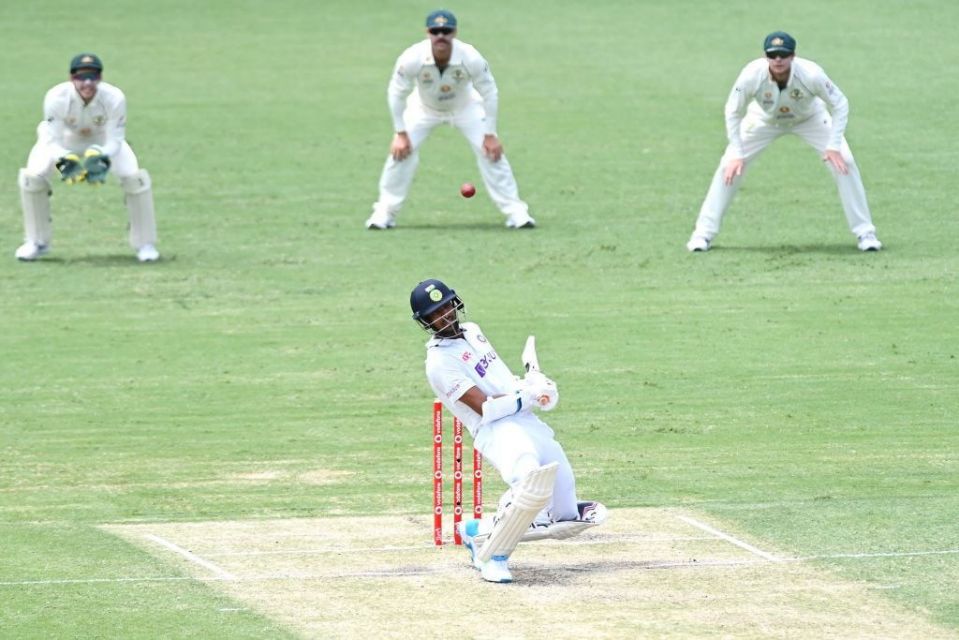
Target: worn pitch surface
[{"x": 647, "y": 572}]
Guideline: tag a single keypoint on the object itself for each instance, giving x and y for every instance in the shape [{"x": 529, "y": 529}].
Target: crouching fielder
[
  {"x": 474, "y": 383},
  {"x": 82, "y": 138}
]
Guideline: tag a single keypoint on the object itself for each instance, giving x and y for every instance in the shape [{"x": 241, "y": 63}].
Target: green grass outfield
[{"x": 784, "y": 382}]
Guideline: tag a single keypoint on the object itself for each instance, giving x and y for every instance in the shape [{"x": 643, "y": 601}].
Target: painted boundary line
[
  {"x": 728, "y": 538},
  {"x": 192, "y": 557}
]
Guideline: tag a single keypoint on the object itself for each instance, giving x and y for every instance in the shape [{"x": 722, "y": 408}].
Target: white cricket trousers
[
  {"x": 516, "y": 445},
  {"x": 756, "y": 136},
  {"x": 498, "y": 177}
]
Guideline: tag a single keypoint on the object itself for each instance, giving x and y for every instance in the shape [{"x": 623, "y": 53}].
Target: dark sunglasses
[
  {"x": 441, "y": 31},
  {"x": 778, "y": 54},
  {"x": 86, "y": 75}
]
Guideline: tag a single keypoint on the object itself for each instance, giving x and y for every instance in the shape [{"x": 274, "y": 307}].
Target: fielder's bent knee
[
  {"x": 32, "y": 182},
  {"x": 139, "y": 182}
]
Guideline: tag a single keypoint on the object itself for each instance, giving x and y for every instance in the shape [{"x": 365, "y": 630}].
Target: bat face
[{"x": 530, "y": 360}]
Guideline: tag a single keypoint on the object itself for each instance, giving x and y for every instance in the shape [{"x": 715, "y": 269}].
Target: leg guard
[
  {"x": 533, "y": 494},
  {"x": 138, "y": 195},
  {"x": 35, "y": 192}
]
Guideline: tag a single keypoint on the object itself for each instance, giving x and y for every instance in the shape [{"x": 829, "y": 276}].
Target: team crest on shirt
[
  {"x": 458, "y": 75},
  {"x": 796, "y": 94},
  {"x": 99, "y": 120},
  {"x": 426, "y": 77}
]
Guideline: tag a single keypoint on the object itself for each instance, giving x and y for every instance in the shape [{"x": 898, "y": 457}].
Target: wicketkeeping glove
[
  {"x": 70, "y": 168},
  {"x": 96, "y": 166}
]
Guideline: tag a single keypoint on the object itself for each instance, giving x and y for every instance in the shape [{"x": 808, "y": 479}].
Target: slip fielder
[
  {"x": 444, "y": 81},
  {"x": 773, "y": 96}
]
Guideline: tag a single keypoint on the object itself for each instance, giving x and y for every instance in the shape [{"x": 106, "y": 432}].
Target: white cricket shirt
[
  {"x": 466, "y": 78},
  {"x": 808, "y": 92},
  {"x": 453, "y": 365},
  {"x": 70, "y": 125}
]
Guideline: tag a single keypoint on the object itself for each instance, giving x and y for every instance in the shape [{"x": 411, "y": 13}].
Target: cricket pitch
[{"x": 644, "y": 573}]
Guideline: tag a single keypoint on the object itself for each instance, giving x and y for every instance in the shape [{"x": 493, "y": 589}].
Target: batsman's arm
[{"x": 495, "y": 407}]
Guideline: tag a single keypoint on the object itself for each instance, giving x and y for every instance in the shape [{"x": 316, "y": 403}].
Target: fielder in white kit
[
  {"x": 474, "y": 383},
  {"x": 774, "y": 96},
  {"x": 83, "y": 138},
  {"x": 443, "y": 81}
]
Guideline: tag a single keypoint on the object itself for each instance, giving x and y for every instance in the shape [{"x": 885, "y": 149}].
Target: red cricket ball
[{"x": 468, "y": 190}]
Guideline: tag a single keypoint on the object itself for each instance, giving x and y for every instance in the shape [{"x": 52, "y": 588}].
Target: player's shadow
[
  {"x": 462, "y": 226},
  {"x": 108, "y": 260},
  {"x": 835, "y": 249}
]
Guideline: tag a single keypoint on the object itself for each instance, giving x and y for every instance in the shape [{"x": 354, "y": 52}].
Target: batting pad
[
  {"x": 35, "y": 199},
  {"x": 528, "y": 500},
  {"x": 139, "y": 199}
]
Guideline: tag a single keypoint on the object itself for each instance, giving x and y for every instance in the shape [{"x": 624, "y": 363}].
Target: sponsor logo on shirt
[
  {"x": 466, "y": 356},
  {"x": 484, "y": 363}
]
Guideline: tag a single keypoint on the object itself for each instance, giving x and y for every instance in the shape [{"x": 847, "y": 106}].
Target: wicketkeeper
[
  {"x": 82, "y": 139},
  {"x": 474, "y": 383}
]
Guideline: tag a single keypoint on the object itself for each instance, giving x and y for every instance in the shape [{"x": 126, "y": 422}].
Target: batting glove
[
  {"x": 96, "y": 166},
  {"x": 70, "y": 168},
  {"x": 542, "y": 389}
]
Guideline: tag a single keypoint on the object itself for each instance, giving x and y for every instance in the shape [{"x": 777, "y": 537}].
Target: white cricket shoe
[
  {"x": 697, "y": 243},
  {"x": 380, "y": 221},
  {"x": 869, "y": 242},
  {"x": 30, "y": 251},
  {"x": 468, "y": 531},
  {"x": 522, "y": 221},
  {"x": 496, "y": 570},
  {"x": 592, "y": 512},
  {"x": 148, "y": 253}
]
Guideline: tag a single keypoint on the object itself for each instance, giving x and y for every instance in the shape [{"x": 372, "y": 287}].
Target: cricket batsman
[
  {"x": 472, "y": 381},
  {"x": 82, "y": 139}
]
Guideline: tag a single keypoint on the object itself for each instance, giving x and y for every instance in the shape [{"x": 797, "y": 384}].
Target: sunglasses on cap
[
  {"x": 778, "y": 54},
  {"x": 441, "y": 31},
  {"x": 90, "y": 74}
]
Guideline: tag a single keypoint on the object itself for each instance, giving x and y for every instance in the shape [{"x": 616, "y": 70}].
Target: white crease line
[
  {"x": 728, "y": 538},
  {"x": 578, "y": 542},
  {"x": 189, "y": 555},
  {"x": 888, "y": 554}
]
